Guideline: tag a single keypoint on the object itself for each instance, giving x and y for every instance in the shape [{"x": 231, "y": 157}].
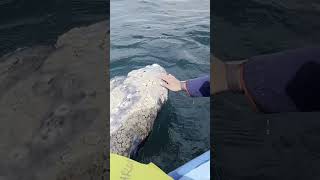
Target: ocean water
[
  {"x": 25, "y": 23},
  {"x": 242, "y": 29},
  {"x": 176, "y": 35}
]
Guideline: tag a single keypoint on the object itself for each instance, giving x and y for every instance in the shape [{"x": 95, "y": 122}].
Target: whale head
[{"x": 135, "y": 101}]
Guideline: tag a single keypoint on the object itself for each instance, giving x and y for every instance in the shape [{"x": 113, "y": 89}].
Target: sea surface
[
  {"x": 25, "y": 23},
  {"x": 176, "y": 35},
  {"x": 243, "y": 29}
]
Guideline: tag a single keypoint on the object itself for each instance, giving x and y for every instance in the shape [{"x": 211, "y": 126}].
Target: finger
[
  {"x": 165, "y": 78},
  {"x": 164, "y": 84}
]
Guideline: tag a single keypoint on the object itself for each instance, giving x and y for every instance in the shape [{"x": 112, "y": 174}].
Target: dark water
[
  {"x": 33, "y": 22},
  {"x": 252, "y": 145},
  {"x": 174, "y": 34},
  {"x": 245, "y": 28}
]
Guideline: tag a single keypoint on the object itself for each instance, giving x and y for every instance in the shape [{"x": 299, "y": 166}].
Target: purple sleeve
[
  {"x": 285, "y": 81},
  {"x": 199, "y": 87}
]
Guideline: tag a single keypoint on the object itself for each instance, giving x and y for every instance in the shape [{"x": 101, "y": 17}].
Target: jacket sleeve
[
  {"x": 285, "y": 81},
  {"x": 199, "y": 87}
]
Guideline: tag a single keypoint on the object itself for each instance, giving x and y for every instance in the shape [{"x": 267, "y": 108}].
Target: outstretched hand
[{"x": 170, "y": 82}]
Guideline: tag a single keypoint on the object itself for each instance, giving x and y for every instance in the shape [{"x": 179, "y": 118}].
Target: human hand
[{"x": 172, "y": 83}]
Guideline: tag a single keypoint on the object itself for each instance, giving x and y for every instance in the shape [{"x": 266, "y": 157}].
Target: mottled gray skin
[
  {"x": 135, "y": 103},
  {"x": 53, "y": 109},
  {"x": 128, "y": 137}
]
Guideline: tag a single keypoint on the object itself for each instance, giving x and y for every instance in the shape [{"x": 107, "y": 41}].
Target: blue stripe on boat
[{"x": 191, "y": 165}]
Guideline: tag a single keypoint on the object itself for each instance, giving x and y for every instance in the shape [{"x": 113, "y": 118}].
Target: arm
[
  {"x": 198, "y": 87},
  {"x": 279, "y": 82},
  {"x": 285, "y": 81}
]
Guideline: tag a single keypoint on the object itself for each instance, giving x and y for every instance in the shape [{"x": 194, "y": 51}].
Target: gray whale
[
  {"x": 135, "y": 101},
  {"x": 53, "y": 108}
]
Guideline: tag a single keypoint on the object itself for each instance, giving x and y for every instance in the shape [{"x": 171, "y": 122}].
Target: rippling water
[
  {"x": 174, "y": 34},
  {"x": 32, "y": 22},
  {"x": 251, "y": 27}
]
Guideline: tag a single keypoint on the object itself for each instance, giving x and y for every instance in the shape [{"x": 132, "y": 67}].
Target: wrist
[
  {"x": 233, "y": 75},
  {"x": 183, "y": 86}
]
